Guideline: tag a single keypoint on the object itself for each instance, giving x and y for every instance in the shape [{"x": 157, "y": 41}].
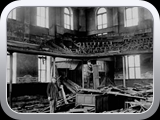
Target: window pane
[
  {"x": 43, "y": 65},
  {"x": 42, "y": 11},
  {"x": 64, "y": 25},
  {"x": 10, "y": 15},
  {"x": 104, "y": 18},
  {"x": 66, "y": 11},
  {"x": 101, "y": 10},
  {"x": 71, "y": 22},
  {"x": 138, "y": 72},
  {"x": 8, "y": 75},
  {"x": 131, "y": 73},
  {"x": 105, "y": 26},
  {"x": 42, "y": 22},
  {"x": 38, "y": 21},
  {"x": 137, "y": 60},
  {"x": 99, "y": 34},
  {"x": 43, "y": 76},
  {"x": 135, "y": 22},
  {"x": 47, "y": 18},
  {"x": 8, "y": 68},
  {"x": 129, "y": 22},
  {"x": 8, "y": 61},
  {"x": 128, "y": 13},
  {"x": 14, "y": 14},
  {"x": 99, "y": 19},
  {"x": 131, "y": 61},
  {"x": 38, "y": 11},
  {"x": 42, "y": 16},
  {"x": 99, "y": 26},
  {"x": 135, "y": 12},
  {"x": 68, "y": 27},
  {"x": 105, "y": 33},
  {"x": 67, "y": 19}
]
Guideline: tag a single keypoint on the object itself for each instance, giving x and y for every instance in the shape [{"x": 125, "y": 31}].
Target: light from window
[
  {"x": 131, "y": 17},
  {"x": 68, "y": 19},
  {"x": 8, "y": 68},
  {"x": 12, "y": 14},
  {"x": 134, "y": 66},
  {"x": 42, "y": 17},
  {"x": 100, "y": 65},
  {"x": 42, "y": 68},
  {"x": 102, "y": 18}
]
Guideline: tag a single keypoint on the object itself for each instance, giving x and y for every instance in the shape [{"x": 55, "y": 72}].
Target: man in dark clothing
[{"x": 53, "y": 94}]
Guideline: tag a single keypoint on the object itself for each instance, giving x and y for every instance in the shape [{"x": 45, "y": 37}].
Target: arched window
[
  {"x": 68, "y": 18},
  {"x": 42, "y": 17},
  {"x": 131, "y": 16},
  {"x": 102, "y": 18},
  {"x": 12, "y": 14}
]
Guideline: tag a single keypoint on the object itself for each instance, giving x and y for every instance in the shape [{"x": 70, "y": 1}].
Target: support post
[
  {"x": 82, "y": 74},
  {"x": 11, "y": 77},
  {"x": 124, "y": 75}
]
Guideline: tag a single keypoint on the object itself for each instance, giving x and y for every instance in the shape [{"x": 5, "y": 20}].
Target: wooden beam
[
  {"x": 64, "y": 95},
  {"x": 67, "y": 55},
  {"x": 95, "y": 76}
]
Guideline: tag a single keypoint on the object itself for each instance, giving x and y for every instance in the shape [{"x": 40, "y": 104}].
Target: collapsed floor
[{"x": 108, "y": 99}]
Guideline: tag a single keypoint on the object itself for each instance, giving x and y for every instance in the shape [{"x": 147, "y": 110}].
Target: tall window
[
  {"x": 68, "y": 18},
  {"x": 12, "y": 14},
  {"x": 102, "y": 18},
  {"x": 133, "y": 66},
  {"x": 131, "y": 16},
  {"x": 42, "y": 17},
  {"x": 42, "y": 68}
]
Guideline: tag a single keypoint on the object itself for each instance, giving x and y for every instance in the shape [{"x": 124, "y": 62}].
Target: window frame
[
  {"x": 13, "y": 14},
  {"x": 134, "y": 67},
  {"x": 132, "y": 17},
  {"x": 103, "y": 24},
  {"x": 42, "y": 59},
  {"x": 39, "y": 16},
  {"x": 70, "y": 16}
]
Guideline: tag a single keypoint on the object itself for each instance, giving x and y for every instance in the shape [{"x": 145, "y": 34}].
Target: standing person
[
  {"x": 53, "y": 94},
  {"x": 89, "y": 73}
]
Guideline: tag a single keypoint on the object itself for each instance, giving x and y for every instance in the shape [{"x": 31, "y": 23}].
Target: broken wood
[{"x": 64, "y": 95}]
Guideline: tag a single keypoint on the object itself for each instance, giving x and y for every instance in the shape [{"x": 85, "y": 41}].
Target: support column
[
  {"x": 124, "y": 75},
  {"x": 82, "y": 74},
  {"x": 11, "y": 77},
  {"x": 54, "y": 68}
]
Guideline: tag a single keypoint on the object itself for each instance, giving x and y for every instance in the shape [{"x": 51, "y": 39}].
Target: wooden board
[{"x": 95, "y": 76}]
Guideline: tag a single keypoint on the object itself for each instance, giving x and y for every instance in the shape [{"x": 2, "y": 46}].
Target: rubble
[{"x": 143, "y": 95}]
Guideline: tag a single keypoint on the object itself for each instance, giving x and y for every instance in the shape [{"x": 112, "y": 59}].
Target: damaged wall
[
  {"x": 146, "y": 68},
  {"x": 27, "y": 65},
  {"x": 115, "y": 17},
  {"x": 24, "y": 29},
  {"x": 27, "y": 22}
]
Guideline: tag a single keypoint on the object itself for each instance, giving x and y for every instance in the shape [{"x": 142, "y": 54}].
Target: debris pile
[
  {"x": 40, "y": 104},
  {"x": 142, "y": 94}
]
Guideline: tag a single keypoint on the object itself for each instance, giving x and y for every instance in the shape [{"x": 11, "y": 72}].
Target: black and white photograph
[{"x": 80, "y": 59}]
